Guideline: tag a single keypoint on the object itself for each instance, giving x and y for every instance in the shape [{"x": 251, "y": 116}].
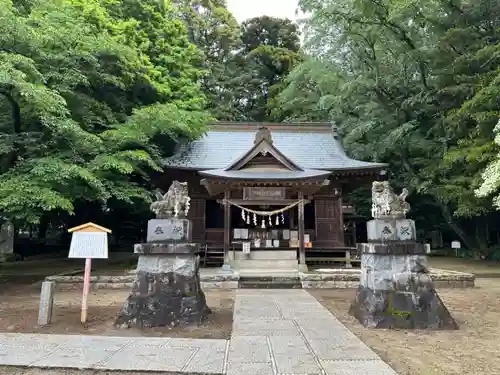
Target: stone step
[
  {"x": 272, "y": 274},
  {"x": 289, "y": 265},
  {"x": 269, "y": 282},
  {"x": 264, "y": 255}
]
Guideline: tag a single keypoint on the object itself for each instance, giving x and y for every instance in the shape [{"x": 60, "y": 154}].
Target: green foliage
[
  {"x": 214, "y": 30},
  {"x": 412, "y": 83},
  {"x": 270, "y": 50},
  {"x": 89, "y": 91},
  {"x": 246, "y": 64}
]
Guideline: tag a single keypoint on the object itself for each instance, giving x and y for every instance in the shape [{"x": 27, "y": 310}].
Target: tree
[
  {"x": 410, "y": 83},
  {"x": 214, "y": 30},
  {"x": 491, "y": 176},
  {"x": 270, "y": 50},
  {"x": 87, "y": 102}
]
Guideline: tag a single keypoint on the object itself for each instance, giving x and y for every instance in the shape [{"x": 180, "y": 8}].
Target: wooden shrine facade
[{"x": 238, "y": 169}]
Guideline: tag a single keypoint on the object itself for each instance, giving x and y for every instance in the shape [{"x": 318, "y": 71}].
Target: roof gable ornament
[
  {"x": 263, "y": 134},
  {"x": 335, "y": 130},
  {"x": 263, "y": 145}
]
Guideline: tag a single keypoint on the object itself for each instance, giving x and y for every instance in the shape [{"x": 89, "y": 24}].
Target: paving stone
[
  {"x": 304, "y": 314},
  {"x": 377, "y": 367},
  {"x": 324, "y": 329},
  {"x": 256, "y": 312},
  {"x": 29, "y": 339},
  {"x": 149, "y": 359},
  {"x": 93, "y": 342},
  {"x": 149, "y": 342},
  {"x": 292, "y": 356},
  {"x": 217, "y": 344},
  {"x": 250, "y": 369},
  {"x": 294, "y": 345},
  {"x": 23, "y": 356},
  {"x": 207, "y": 360},
  {"x": 343, "y": 348},
  {"x": 248, "y": 349},
  {"x": 68, "y": 357},
  {"x": 269, "y": 327},
  {"x": 301, "y": 298}
]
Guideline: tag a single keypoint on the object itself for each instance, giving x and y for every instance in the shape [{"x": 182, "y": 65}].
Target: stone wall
[{"x": 340, "y": 279}]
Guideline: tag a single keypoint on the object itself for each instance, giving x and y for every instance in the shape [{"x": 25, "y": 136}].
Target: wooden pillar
[
  {"x": 354, "y": 234},
  {"x": 302, "y": 252},
  {"x": 227, "y": 226},
  {"x": 340, "y": 210}
]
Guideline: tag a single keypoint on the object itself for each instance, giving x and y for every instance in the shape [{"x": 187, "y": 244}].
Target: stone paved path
[{"x": 274, "y": 332}]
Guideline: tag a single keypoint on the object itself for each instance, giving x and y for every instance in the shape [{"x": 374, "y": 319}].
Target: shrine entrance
[{"x": 265, "y": 222}]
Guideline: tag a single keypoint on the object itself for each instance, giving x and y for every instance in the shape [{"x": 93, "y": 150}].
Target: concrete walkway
[{"x": 274, "y": 332}]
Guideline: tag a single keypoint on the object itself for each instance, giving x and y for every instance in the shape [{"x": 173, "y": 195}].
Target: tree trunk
[
  {"x": 481, "y": 236},
  {"x": 5, "y": 90},
  {"x": 452, "y": 224}
]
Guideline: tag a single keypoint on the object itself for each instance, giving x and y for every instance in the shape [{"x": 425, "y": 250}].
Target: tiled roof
[
  {"x": 265, "y": 175},
  {"x": 310, "y": 148}
]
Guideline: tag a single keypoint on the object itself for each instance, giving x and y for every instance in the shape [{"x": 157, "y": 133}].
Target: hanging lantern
[
  {"x": 277, "y": 220},
  {"x": 263, "y": 226}
]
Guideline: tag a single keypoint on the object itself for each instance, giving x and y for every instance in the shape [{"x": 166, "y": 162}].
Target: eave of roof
[{"x": 265, "y": 175}]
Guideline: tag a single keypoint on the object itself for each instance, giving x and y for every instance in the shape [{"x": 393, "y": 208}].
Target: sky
[{"x": 245, "y": 9}]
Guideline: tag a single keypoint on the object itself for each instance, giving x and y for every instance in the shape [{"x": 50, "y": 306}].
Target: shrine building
[{"x": 265, "y": 193}]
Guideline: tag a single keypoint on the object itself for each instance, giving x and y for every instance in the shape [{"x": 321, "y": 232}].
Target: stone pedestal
[
  {"x": 167, "y": 290},
  {"x": 395, "y": 289}
]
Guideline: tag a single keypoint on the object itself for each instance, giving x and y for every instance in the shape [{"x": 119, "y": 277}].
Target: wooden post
[
  {"x": 302, "y": 252},
  {"x": 340, "y": 207},
  {"x": 354, "y": 234},
  {"x": 86, "y": 288},
  {"x": 348, "y": 259},
  {"x": 88, "y": 241},
  {"x": 227, "y": 226}
]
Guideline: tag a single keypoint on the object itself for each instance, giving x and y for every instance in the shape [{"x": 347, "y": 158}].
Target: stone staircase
[
  {"x": 269, "y": 282},
  {"x": 269, "y": 279},
  {"x": 267, "y": 269}
]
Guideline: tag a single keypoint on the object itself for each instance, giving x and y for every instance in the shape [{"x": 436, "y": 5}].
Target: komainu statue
[
  {"x": 174, "y": 203},
  {"x": 386, "y": 203}
]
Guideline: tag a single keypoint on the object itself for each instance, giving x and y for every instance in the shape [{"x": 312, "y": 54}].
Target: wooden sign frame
[
  {"x": 88, "y": 235},
  {"x": 264, "y": 193}
]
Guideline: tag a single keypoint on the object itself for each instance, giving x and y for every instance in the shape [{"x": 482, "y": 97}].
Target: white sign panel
[
  {"x": 246, "y": 247},
  {"x": 455, "y": 245},
  {"x": 427, "y": 248},
  {"x": 92, "y": 245}
]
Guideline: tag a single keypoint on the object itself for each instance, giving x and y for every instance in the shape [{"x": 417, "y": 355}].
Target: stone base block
[
  {"x": 173, "y": 229},
  {"x": 391, "y": 229},
  {"x": 401, "y": 310},
  {"x": 392, "y": 248},
  {"x": 166, "y": 248},
  {"x": 166, "y": 292}
]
